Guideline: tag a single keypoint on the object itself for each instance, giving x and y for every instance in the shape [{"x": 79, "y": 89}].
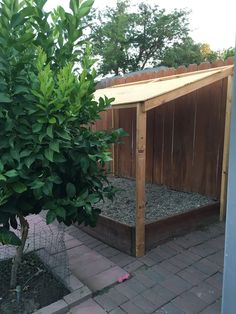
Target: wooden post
[
  {"x": 140, "y": 181},
  {"x": 225, "y": 163}
]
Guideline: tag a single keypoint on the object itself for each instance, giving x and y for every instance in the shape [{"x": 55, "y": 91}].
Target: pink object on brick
[{"x": 123, "y": 278}]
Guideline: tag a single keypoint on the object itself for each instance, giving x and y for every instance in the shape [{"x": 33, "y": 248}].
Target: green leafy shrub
[{"x": 50, "y": 158}]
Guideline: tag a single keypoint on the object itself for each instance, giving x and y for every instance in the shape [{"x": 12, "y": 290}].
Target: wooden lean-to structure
[{"x": 147, "y": 95}]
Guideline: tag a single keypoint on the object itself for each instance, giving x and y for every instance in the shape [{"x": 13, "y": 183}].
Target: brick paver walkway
[
  {"x": 183, "y": 275},
  {"x": 93, "y": 269}
]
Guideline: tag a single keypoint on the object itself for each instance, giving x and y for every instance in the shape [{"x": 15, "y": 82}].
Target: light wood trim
[
  {"x": 225, "y": 163},
  {"x": 226, "y": 67},
  {"x": 124, "y": 106},
  {"x": 140, "y": 181},
  {"x": 187, "y": 88}
]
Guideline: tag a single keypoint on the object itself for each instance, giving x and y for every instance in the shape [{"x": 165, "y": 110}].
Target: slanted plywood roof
[{"x": 158, "y": 91}]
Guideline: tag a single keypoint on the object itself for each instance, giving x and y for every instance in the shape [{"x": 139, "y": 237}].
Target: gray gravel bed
[{"x": 161, "y": 201}]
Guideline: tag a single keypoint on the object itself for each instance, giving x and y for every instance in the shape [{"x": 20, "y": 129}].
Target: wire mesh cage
[{"x": 44, "y": 271}]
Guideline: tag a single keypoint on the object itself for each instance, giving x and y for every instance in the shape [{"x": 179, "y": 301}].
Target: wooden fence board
[
  {"x": 167, "y": 148},
  {"x": 149, "y": 146},
  {"x": 126, "y": 151},
  {"x": 221, "y": 132},
  {"x": 158, "y": 145},
  {"x": 182, "y": 144}
]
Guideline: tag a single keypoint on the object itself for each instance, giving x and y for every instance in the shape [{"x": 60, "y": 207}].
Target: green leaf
[
  {"x": 20, "y": 89},
  {"x": 63, "y": 134},
  {"x": 15, "y": 154},
  {"x": 3, "y": 68},
  {"x": 42, "y": 120},
  {"x": 11, "y": 173},
  {"x": 9, "y": 237},
  {"x": 94, "y": 198},
  {"x": 48, "y": 153},
  {"x": 2, "y": 178},
  {"x": 19, "y": 18},
  {"x": 27, "y": 37},
  {"x": 60, "y": 212},
  {"x": 37, "y": 184},
  {"x": 85, "y": 8},
  {"x": 74, "y": 6},
  {"x": 19, "y": 187},
  {"x": 55, "y": 179},
  {"x": 29, "y": 161},
  {"x": 37, "y": 127},
  {"x": 52, "y": 120},
  {"x": 51, "y": 216},
  {"x": 25, "y": 153},
  {"x": 88, "y": 208},
  {"x": 79, "y": 202},
  {"x": 84, "y": 194},
  {"x": 60, "y": 118},
  {"x": 54, "y": 146},
  {"x": 106, "y": 156},
  {"x": 49, "y": 131},
  {"x": 41, "y": 137},
  {"x": 84, "y": 163},
  {"x": 1, "y": 166},
  {"x": 47, "y": 188},
  {"x": 4, "y": 98},
  {"x": 70, "y": 190}
]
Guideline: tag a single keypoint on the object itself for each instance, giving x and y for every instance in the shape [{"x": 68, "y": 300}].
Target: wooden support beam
[
  {"x": 140, "y": 181},
  {"x": 125, "y": 105},
  {"x": 225, "y": 163}
]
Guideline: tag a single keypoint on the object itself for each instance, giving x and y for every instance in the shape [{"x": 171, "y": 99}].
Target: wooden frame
[
  {"x": 141, "y": 115},
  {"x": 122, "y": 236},
  {"x": 225, "y": 163},
  {"x": 140, "y": 181}
]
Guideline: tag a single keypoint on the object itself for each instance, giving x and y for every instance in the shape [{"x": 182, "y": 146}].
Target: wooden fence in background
[{"x": 156, "y": 73}]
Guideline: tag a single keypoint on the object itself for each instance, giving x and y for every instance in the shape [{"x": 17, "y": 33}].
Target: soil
[
  {"x": 38, "y": 285},
  {"x": 161, "y": 202}
]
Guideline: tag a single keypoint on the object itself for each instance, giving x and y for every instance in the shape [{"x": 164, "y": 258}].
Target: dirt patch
[
  {"x": 39, "y": 287},
  {"x": 161, "y": 202}
]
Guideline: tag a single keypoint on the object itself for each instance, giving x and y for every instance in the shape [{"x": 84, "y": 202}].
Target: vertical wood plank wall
[{"x": 184, "y": 141}]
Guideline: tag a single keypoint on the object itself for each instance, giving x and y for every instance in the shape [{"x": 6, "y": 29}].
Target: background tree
[
  {"x": 50, "y": 158},
  {"x": 188, "y": 52},
  {"x": 128, "y": 39},
  {"x": 207, "y": 53},
  {"x": 226, "y": 53},
  {"x": 183, "y": 53}
]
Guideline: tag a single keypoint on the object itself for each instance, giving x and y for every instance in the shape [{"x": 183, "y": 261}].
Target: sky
[{"x": 212, "y": 22}]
